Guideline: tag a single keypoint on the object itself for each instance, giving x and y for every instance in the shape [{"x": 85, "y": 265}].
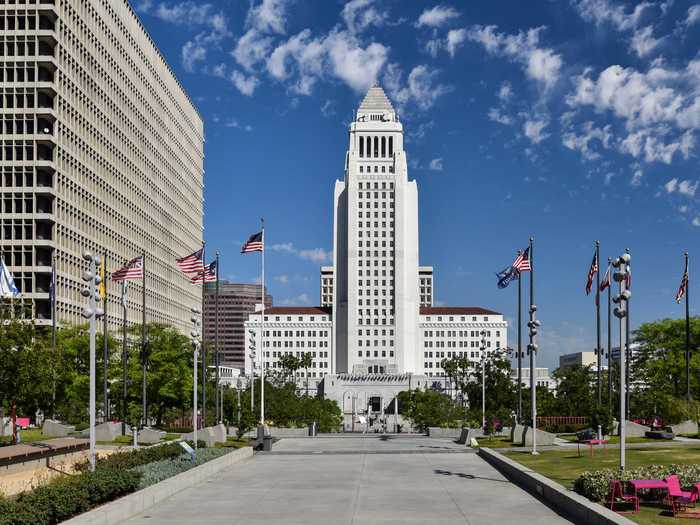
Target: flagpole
[
  {"x": 520, "y": 350},
  {"x": 610, "y": 385},
  {"x": 216, "y": 340},
  {"x": 262, "y": 332},
  {"x": 628, "y": 353},
  {"x": 687, "y": 331},
  {"x": 204, "y": 349},
  {"x": 105, "y": 349},
  {"x": 144, "y": 343},
  {"x": 53, "y": 335},
  {"x": 598, "y": 349},
  {"x": 532, "y": 348},
  {"x": 125, "y": 358}
]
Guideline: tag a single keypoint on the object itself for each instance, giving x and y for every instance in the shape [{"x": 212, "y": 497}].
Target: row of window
[
  {"x": 376, "y": 147},
  {"x": 458, "y": 333},
  {"x": 376, "y": 353}
]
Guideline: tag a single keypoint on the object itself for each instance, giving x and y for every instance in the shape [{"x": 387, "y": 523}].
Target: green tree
[
  {"x": 306, "y": 362},
  {"x": 500, "y": 390},
  {"x": 25, "y": 371},
  {"x": 429, "y": 409},
  {"x": 576, "y": 395},
  {"x": 289, "y": 364}
]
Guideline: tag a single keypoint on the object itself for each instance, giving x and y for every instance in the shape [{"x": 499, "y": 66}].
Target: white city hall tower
[{"x": 375, "y": 247}]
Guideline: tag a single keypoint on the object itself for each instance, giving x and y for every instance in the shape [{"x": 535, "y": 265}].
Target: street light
[
  {"x": 533, "y": 324},
  {"x": 252, "y": 355},
  {"x": 92, "y": 312},
  {"x": 238, "y": 391},
  {"x": 483, "y": 380},
  {"x": 621, "y": 276},
  {"x": 195, "y": 333}
]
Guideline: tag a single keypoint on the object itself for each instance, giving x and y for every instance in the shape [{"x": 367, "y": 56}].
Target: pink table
[{"x": 645, "y": 484}]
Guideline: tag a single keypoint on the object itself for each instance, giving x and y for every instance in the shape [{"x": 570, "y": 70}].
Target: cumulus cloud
[
  {"x": 436, "y": 16},
  {"x": 683, "y": 187},
  {"x": 193, "y": 52},
  {"x": 455, "y": 38},
  {"x": 693, "y": 15},
  {"x": 505, "y": 92},
  {"x": 696, "y": 221},
  {"x": 317, "y": 255},
  {"x": 435, "y": 164},
  {"x": 421, "y": 88},
  {"x": 361, "y": 14},
  {"x": 496, "y": 115},
  {"x": 282, "y": 279},
  {"x": 643, "y": 41},
  {"x": 267, "y": 18},
  {"x": 540, "y": 64},
  {"x": 582, "y": 142},
  {"x": 608, "y": 12},
  {"x": 637, "y": 178},
  {"x": 245, "y": 84},
  {"x": 534, "y": 130}
]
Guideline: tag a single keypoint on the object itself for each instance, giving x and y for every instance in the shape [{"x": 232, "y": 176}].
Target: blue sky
[{"x": 567, "y": 120}]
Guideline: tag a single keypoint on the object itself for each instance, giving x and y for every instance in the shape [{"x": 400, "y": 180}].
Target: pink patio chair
[
  {"x": 616, "y": 493},
  {"x": 679, "y": 499}
]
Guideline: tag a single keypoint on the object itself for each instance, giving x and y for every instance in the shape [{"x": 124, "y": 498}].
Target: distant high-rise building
[
  {"x": 102, "y": 150},
  {"x": 236, "y": 302}
]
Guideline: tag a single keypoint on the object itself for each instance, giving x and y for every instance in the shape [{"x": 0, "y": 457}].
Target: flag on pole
[
  {"x": 133, "y": 270},
  {"x": 193, "y": 263},
  {"x": 607, "y": 280},
  {"x": 591, "y": 272},
  {"x": 254, "y": 243},
  {"x": 7, "y": 282},
  {"x": 102, "y": 287},
  {"x": 209, "y": 274},
  {"x": 507, "y": 275},
  {"x": 522, "y": 261},
  {"x": 684, "y": 284}
]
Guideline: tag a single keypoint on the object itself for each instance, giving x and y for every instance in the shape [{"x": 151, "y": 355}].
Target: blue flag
[
  {"x": 7, "y": 283},
  {"x": 507, "y": 275}
]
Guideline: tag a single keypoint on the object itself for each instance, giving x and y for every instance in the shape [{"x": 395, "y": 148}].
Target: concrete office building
[
  {"x": 578, "y": 359},
  {"x": 236, "y": 302},
  {"x": 101, "y": 150}
]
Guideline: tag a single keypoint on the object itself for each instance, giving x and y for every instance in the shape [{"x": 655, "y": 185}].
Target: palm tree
[
  {"x": 290, "y": 365},
  {"x": 306, "y": 362}
]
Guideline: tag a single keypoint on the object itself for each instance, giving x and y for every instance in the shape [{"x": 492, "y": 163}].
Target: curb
[
  {"x": 134, "y": 504},
  {"x": 570, "y": 504}
]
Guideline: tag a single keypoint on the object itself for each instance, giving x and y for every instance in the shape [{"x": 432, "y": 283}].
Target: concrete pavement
[{"x": 357, "y": 480}]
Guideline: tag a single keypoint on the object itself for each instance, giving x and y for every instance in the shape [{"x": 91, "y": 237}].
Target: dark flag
[
  {"x": 607, "y": 280},
  {"x": 684, "y": 284},
  {"x": 522, "y": 261},
  {"x": 507, "y": 275},
  {"x": 591, "y": 272}
]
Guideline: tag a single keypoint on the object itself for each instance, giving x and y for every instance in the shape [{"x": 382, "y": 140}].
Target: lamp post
[
  {"x": 252, "y": 355},
  {"x": 533, "y": 324},
  {"x": 621, "y": 276},
  {"x": 92, "y": 312},
  {"x": 483, "y": 380},
  {"x": 238, "y": 393},
  {"x": 195, "y": 333}
]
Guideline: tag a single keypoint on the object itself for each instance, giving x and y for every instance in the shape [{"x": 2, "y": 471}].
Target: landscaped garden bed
[
  {"x": 116, "y": 475},
  {"x": 590, "y": 476}
]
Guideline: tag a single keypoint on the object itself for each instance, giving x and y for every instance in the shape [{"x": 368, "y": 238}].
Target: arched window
[
  {"x": 383, "y": 146},
  {"x": 376, "y": 147},
  {"x": 362, "y": 146},
  {"x": 391, "y": 146}
]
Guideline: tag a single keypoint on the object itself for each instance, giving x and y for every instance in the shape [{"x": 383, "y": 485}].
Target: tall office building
[
  {"x": 102, "y": 150},
  {"x": 375, "y": 245},
  {"x": 236, "y": 302}
]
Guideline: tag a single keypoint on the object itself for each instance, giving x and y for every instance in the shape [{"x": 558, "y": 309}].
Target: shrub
[
  {"x": 159, "y": 470},
  {"x": 67, "y": 497},
  {"x": 595, "y": 484},
  {"x": 133, "y": 458}
]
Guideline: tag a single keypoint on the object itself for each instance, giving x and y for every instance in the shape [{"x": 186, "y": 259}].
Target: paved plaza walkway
[{"x": 355, "y": 480}]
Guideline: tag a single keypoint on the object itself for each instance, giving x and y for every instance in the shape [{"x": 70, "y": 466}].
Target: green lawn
[
  {"x": 565, "y": 466},
  {"x": 614, "y": 440},
  {"x": 27, "y": 436},
  {"x": 496, "y": 442}
]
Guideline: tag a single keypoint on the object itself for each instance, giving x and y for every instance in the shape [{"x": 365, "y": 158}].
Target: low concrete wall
[
  {"x": 572, "y": 505},
  {"x": 543, "y": 438},
  {"x": 444, "y": 433},
  {"x": 134, "y": 504},
  {"x": 516, "y": 434},
  {"x": 686, "y": 427}
]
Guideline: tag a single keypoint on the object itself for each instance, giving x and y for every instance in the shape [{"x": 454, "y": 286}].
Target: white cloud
[
  {"x": 421, "y": 88},
  {"x": 693, "y": 15},
  {"x": 269, "y": 16},
  {"x": 328, "y": 108},
  {"x": 317, "y": 255},
  {"x": 637, "y": 178},
  {"x": 358, "y": 67},
  {"x": 361, "y": 14},
  {"x": 144, "y": 6},
  {"x": 505, "y": 92},
  {"x": 435, "y": 164},
  {"x": 609, "y": 12},
  {"x": 233, "y": 123},
  {"x": 534, "y": 130},
  {"x": 540, "y": 64},
  {"x": 671, "y": 185},
  {"x": 193, "y": 52},
  {"x": 455, "y": 38},
  {"x": 251, "y": 48},
  {"x": 496, "y": 115},
  {"x": 582, "y": 142},
  {"x": 246, "y": 85},
  {"x": 684, "y": 187},
  {"x": 436, "y": 16},
  {"x": 301, "y": 299},
  {"x": 696, "y": 221},
  {"x": 643, "y": 41},
  {"x": 282, "y": 279}
]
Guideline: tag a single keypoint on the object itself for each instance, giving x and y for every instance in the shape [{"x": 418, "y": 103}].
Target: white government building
[{"x": 376, "y": 331}]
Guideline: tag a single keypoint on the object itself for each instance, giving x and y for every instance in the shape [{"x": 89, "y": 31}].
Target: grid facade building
[
  {"x": 102, "y": 150},
  {"x": 236, "y": 302}
]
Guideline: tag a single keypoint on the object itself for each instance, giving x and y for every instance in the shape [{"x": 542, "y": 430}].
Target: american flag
[
  {"x": 133, "y": 270},
  {"x": 209, "y": 274},
  {"x": 522, "y": 261},
  {"x": 254, "y": 243},
  {"x": 193, "y": 263},
  {"x": 684, "y": 284},
  {"x": 607, "y": 281},
  {"x": 591, "y": 272}
]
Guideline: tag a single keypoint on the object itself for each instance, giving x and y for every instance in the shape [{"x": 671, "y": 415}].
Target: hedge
[
  {"x": 133, "y": 458},
  {"x": 157, "y": 471},
  {"x": 58, "y": 501},
  {"x": 595, "y": 485}
]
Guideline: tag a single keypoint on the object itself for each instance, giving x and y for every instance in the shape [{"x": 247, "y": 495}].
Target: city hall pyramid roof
[{"x": 376, "y": 99}]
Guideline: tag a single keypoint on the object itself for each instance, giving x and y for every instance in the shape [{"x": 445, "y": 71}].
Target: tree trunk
[{"x": 13, "y": 415}]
